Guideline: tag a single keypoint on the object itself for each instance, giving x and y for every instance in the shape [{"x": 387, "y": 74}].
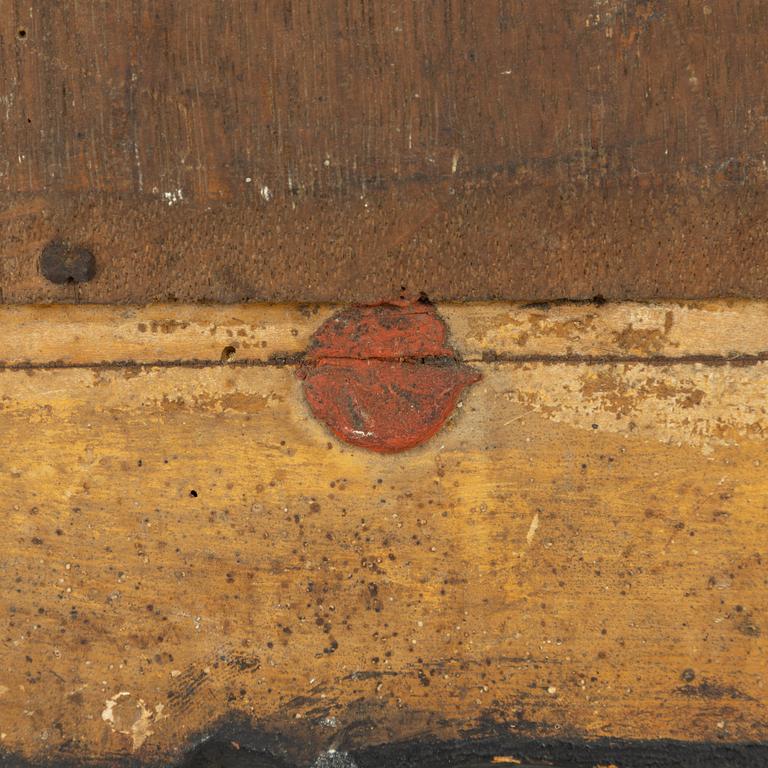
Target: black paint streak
[
  {"x": 563, "y": 754},
  {"x": 531, "y": 753},
  {"x": 711, "y": 690},
  {"x": 236, "y": 745}
]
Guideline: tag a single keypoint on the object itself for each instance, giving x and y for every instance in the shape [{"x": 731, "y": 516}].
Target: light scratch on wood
[{"x": 532, "y": 529}]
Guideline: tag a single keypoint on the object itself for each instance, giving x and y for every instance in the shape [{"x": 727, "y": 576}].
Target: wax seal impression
[{"x": 383, "y": 377}]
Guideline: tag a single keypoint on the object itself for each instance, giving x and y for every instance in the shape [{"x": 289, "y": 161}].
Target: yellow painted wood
[
  {"x": 76, "y": 335},
  {"x": 581, "y": 549}
]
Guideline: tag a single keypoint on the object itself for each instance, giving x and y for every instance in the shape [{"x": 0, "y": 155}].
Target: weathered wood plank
[
  {"x": 95, "y": 335},
  {"x": 227, "y": 150},
  {"x": 580, "y": 551}
]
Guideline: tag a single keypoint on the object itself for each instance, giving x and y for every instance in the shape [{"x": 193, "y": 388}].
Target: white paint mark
[
  {"x": 532, "y": 528},
  {"x": 173, "y": 197},
  {"x": 137, "y": 159},
  {"x": 329, "y": 722},
  {"x": 266, "y": 193},
  {"x": 132, "y": 717},
  {"x": 334, "y": 759}
]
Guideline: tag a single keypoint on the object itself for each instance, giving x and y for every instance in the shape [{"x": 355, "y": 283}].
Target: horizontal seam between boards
[{"x": 290, "y": 360}]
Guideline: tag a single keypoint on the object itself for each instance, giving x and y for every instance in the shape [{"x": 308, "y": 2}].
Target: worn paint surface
[
  {"x": 579, "y": 555},
  {"x": 227, "y": 150},
  {"x": 383, "y": 377}
]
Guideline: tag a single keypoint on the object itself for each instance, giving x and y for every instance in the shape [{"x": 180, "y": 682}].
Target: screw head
[{"x": 61, "y": 263}]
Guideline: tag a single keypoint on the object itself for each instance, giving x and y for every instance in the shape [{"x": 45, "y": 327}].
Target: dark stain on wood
[
  {"x": 63, "y": 264},
  {"x": 329, "y": 150},
  {"x": 383, "y": 378},
  {"x": 236, "y": 743},
  {"x": 518, "y": 752}
]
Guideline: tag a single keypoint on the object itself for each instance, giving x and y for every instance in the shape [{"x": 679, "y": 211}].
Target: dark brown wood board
[{"x": 353, "y": 150}]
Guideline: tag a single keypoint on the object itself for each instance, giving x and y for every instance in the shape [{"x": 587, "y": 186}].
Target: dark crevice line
[
  {"x": 405, "y": 359},
  {"x": 619, "y": 359},
  {"x": 114, "y": 365},
  {"x": 281, "y": 361}
]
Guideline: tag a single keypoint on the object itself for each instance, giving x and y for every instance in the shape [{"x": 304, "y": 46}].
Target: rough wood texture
[
  {"x": 334, "y": 150},
  {"x": 580, "y": 551}
]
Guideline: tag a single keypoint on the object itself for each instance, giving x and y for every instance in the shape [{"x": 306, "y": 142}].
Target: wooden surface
[
  {"x": 334, "y": 150},
  {"x": 579, "y": 553}
]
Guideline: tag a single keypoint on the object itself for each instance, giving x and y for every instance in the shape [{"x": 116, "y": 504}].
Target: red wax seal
[{"x": 383, "y": 377}]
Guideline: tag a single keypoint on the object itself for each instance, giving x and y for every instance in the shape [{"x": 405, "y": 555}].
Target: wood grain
[
  {"x": 580, "y": 551},
  {"x": 65, "y": 335},
  {"x": 331, "y": 150}
]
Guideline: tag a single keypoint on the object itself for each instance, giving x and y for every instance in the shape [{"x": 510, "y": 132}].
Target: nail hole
[
  {"x": 22, "y": 33},
  {"x": 193, "y": 494},
  {"x": 227, "y": 354}
]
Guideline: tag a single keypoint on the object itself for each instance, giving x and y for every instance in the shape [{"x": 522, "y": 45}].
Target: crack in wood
[{"x": 289, "y": 360}]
